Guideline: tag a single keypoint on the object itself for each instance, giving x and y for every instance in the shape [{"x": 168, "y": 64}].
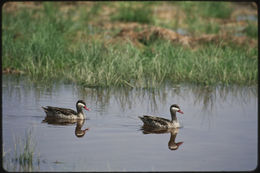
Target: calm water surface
[{"x": 219, "y": 128}]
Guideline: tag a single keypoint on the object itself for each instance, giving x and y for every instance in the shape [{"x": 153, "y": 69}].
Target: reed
[{"x": 23, "y": 156}]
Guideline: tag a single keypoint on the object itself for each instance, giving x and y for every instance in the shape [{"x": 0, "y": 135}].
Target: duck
[
  {"x": 65, "y": 113},
  {"x": 162, "y": 123}
]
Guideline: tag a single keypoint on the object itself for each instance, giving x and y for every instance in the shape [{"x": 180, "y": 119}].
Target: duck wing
[
  {"x": 55, "y": 111},
  {"x": 154, "y": 121}
]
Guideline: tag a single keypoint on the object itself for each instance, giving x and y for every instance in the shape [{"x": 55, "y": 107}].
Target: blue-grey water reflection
[{"x": 219, "y": 127}]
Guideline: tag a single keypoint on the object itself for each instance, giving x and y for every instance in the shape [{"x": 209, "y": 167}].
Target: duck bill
[
  {"x": 180, "y": 111},
  {"x": 179, "y": 143},
  {"x": 85, "y": 107},
  {"x": 85, "y": 129}
]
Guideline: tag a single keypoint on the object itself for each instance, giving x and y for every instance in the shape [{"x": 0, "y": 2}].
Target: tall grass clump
[
  {"x": 40, "y": 48},
  {"x": 129, "y": 66},
  {"x": 216, "y": 64},
  {"x": 23, "y": 156},
  {"x": 105, "y": 66}
]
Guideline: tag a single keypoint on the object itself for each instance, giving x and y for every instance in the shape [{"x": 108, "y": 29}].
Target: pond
[{"x": 218, "y": 128}]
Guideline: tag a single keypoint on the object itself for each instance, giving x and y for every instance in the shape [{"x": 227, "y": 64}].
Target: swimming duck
[
  {"x": 64, "y": 113},
  {"x": 158, "y": 122}
]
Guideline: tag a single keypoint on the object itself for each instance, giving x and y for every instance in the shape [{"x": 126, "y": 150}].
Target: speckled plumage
[
  {"x": 64, "y": 113},
  {"x": 162, "y": 123},
  {"x": 158, "y": 122}
]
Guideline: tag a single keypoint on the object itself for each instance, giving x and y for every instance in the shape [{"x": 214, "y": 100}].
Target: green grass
[
  {"x": 207, "y": 9},
  {"x": 128, "y": 13},
  {"x": 46, "y": 48},
  {"x": 252, "y": 30},
  {"x": 215, "y": 9},
  {"x": 199, "y": 13}
]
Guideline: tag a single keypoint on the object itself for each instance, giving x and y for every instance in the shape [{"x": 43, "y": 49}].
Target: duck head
[
  {"x": 175, "y": 108},
  {"x": 81, "y": 104}
]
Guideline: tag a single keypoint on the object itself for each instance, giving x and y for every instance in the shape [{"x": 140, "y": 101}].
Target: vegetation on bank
[{"x": 51, "y": 42}]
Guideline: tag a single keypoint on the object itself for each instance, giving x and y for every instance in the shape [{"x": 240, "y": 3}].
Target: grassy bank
[{"x": 47, "y": 44}]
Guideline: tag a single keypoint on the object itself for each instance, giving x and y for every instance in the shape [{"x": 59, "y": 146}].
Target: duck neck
[
  {"x": 174, "y": 118},
  {"x": 80, "y": 112}
]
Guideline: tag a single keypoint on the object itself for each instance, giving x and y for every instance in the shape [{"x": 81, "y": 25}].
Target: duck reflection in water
[
  {"x": 79, "y": 124},
  {"x": 172, "y": 145}
]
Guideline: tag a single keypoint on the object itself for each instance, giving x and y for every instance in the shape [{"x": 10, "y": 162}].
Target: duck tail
[
  {"x": 44, "y": 108},
  {"x": 141, "y": 117}
]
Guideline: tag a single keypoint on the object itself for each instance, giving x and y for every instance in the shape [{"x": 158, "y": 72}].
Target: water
[
  {"x": 218, "y": 133},
  {"x": 246, "y": 17}
]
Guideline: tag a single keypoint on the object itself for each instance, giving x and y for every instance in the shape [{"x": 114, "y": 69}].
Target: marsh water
[{"x": 218, "y": 133}]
